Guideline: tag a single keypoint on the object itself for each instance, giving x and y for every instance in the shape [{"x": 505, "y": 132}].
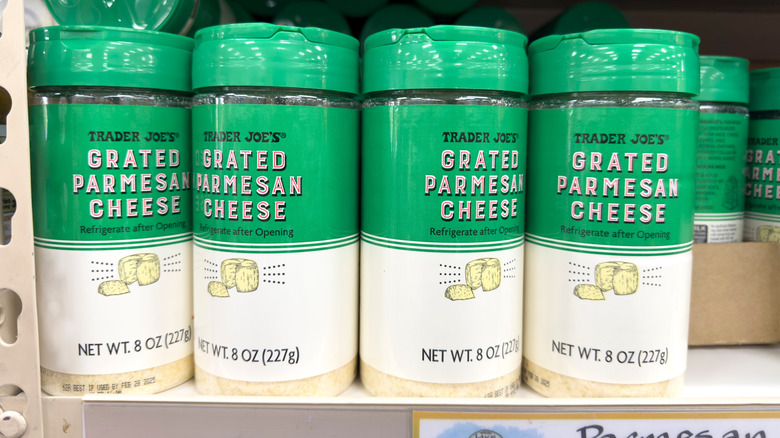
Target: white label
[
  {"x": 114, "y": 311},
  {"x": 614, "y": 319},
  {"x": 275, "y": 316},
  {"x": 710, "y": 229},
  {"x": 415, "y": 326}
]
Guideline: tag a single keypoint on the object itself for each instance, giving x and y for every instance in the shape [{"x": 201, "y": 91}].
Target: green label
[
  {"x": 720, "y": 163},
  {"x": 443, "y": 175},
  {"x": 762, "y": 189},
  {"x": 275, "y": 176},
  {"x": 110, "y": 173},
  {"x": 622, "y": 177}
]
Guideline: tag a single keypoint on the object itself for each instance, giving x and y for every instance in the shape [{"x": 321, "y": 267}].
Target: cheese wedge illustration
[
  {"x": 589, "y": 292},
  {"x": 113, "y": 287},
  {"x": 217, "y": 289},
  {"x": 458, "y": 292}
]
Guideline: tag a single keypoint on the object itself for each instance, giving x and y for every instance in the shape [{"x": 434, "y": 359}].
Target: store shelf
[
  {"x": 740, "y": 379},
  {"x": 713, "y": 373},
  {"x": 724, "y": 380}
]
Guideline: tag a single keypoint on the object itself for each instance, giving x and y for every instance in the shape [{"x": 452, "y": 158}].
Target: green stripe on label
[
  {"x": 274, "y": 248},
  {"x": 718, "y": 217},
  {"x": 608, "y": 249},
  {"x": 452, "y": 247},
  {"x": 99, "y": 246},
  {"x": 760, "y": 216}
]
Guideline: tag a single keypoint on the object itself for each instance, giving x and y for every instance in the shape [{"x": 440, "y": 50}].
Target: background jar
[
  {"x": 762, "y": 220},
  {"x": 276, "y": 251},
  {"x": 720, "y": 162},
  {"x": 110, "y": 152},
  {"x": 444, "y": 114},
  {"x": 611, "y": 159}
]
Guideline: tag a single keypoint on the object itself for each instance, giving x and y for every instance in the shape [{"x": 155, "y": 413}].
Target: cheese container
[
  {"x": 720, "y": 154},
  {"x": 443, "y": 195},
  {"x": 762, "y": 193},
  {"x": 275, "y": 129},
  {"x": 111, "y": 165},
  {"x": 611, "y": 159}
]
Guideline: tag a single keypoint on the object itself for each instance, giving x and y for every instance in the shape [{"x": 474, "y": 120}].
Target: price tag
[{"x": 698, "y": 424}]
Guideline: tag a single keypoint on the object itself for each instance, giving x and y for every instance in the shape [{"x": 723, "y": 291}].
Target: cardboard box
[{"x": 735, "y": 296}]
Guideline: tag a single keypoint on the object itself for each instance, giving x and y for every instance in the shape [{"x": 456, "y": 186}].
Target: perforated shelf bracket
[{"x": 20, "y": 388}]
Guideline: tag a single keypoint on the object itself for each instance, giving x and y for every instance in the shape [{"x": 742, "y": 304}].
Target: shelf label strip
[{"x": 699, "y": 424}]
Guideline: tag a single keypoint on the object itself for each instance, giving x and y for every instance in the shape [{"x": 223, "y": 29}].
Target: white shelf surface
[
  {"x": 734, "y": 372},
  {"x": 719, "y": 379}
]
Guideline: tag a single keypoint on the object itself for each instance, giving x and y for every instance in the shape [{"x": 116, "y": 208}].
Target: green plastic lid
[
  {"x": 310, "y": 13},
  {"x": 446, "y": 57},
  {"x": 490, "y": 16},
  {"x": 352, "y": 8},
  {"x": 615, "y": 60},
  {"x": 395, "y": 16},
  {"x": 446, "y": 7},
  {"x": 108, "y": 57},
  {"x": 724, "y": 79},
  {"x": 174, "y": 16},
  {"x": 269, "y": 55},
  {"x": 765, "y": 89}
]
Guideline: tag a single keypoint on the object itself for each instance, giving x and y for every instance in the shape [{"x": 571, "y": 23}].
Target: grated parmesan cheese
[
  {"x": 551, "y": 384},
  {"x": 147, "y": 381},
  {"x": 328, "y": 384},
  {"x": 386, "y": 385}
]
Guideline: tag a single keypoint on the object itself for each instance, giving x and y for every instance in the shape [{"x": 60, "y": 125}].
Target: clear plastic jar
[
  {"x": 276, "y": 171},
  {"x": 611, "y": 156},
  {"x": 110, "y": 152},
  {"x": 109, "y": 96},
  {"x": 443, "y": 167},
  {"x": 274, "y": 96}
]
